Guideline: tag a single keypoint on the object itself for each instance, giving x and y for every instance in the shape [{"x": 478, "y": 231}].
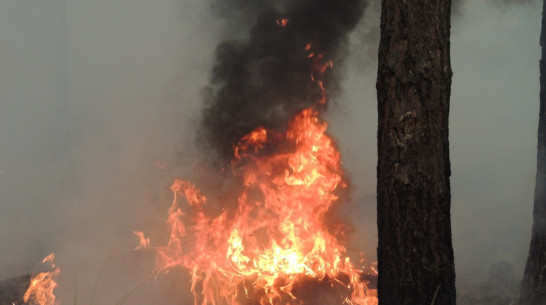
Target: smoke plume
[{"x": 266, "y": 79}]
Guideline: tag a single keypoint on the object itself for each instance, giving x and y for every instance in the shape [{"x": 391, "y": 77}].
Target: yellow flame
[{"x": 41, "y": 287}]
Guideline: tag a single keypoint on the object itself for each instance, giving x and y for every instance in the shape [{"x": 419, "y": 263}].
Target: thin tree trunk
[
  {"x": 415, "y": 254},
  {"x": 533, "y": 286}
]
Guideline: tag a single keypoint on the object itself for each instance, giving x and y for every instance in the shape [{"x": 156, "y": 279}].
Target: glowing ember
[
  {"x": 40, "y": 290},
  {"x": 282, "y": 22}
]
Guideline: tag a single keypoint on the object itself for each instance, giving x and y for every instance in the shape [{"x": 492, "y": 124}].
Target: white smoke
[{"x": 94, "y": 95}]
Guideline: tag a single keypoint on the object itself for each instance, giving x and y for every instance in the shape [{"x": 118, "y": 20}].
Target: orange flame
[
  {"x": 319, "y": 67},
  {"x": 49, "y": 258},
  {"x": 277, "y": 234},
  {"x": 256, "y": 138},
  {"x": 143, "y": 241},
  {"x": 41, "y": 287},
  {"x": 282, "y": 22}
]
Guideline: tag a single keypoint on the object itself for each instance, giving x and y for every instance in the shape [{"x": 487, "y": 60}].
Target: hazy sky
[{"x": 96, "y": 97}]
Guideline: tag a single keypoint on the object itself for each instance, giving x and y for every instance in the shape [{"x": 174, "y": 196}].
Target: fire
[
  {"x": 255, "y": 139},
  {"x": 276, "y": 235},
  {"x": 319, "y": 67},
  {"x": 143, "y": 241},
  {"x": 49, "y": 258},
  {"x": 40, "y": 290},
  {"x": 282, "y": 22},
  {"x": 269, "y": 236}
]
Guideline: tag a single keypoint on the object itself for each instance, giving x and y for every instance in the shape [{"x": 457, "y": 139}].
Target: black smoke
[{"x": 265, "y": 79}]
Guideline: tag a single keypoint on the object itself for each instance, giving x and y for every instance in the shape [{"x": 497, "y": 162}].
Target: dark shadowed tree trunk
[
  {"x": 533, "y": 286},
  {"x": 415, "y": 255}
]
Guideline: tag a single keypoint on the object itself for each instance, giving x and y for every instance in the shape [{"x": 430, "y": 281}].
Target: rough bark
[
  {"x": 533, "y": 286},
  {"x": 415, "y": 254}
]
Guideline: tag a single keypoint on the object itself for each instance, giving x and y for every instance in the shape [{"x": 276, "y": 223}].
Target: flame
[
  {"x": 318, "y": 69},
  {"x": 143, "y": 241},
  {"x": 282, "y": 22},
  {"x": 276, "y": 235},
  {"x": 49, "y": 258},
  {"x": 256, "y": 139},
  {"x": 41, "y": 287},
  {"x": 270, "y": 233}
]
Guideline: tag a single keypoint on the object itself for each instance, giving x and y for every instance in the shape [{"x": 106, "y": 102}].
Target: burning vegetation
[
  {"x": 272, "y": 237},
  {"x": 276, "y": 243},
  {"x": 40, "y": 290}
]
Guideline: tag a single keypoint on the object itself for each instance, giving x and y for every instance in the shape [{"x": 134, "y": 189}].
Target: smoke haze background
[{"x": 100, "y": 101}]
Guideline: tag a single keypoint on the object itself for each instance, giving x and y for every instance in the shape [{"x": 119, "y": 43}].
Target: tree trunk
[
  {"x": 533, "y": 286},
  {"x": 415, "y": 255}
]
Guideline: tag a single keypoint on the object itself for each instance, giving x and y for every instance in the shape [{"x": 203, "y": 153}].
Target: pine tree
[{"x": 415, "y": 254}]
